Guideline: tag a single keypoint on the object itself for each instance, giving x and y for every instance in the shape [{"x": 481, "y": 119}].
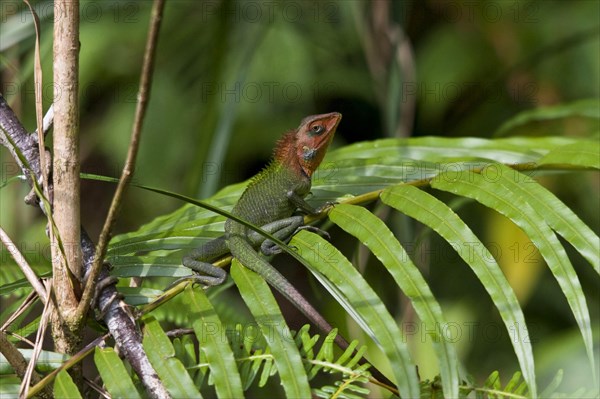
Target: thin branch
[
  {"x": 47, "y": 122},
  {"x": 25, "y": 268},
  {"x": 27, "y": 302},
  {"x": 391, "y": 62},
  {"x": 122, "y": 326},
  {"x": 406, "y": 62},
  {"x": 98, "y": 388},
  {"x": 39, "y": 339},
  {"x": 179, "y": 332},
  {"x": 37, "y": 77},
  {"x": 19, "y": 337},
  {"x": 129, "y": 167}
]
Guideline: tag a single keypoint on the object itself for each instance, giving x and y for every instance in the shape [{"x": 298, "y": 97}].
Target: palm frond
[{"x": 501, "y": 174}]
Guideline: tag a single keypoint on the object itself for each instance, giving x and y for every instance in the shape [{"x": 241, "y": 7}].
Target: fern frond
[
  {"x": 255, "y": 361},
  {"x": 345, "y": 389},
  {"x": 516, "y": 388}
]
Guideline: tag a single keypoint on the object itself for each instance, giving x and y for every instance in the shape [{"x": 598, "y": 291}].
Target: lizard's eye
[{"x": 317, "y": 129}]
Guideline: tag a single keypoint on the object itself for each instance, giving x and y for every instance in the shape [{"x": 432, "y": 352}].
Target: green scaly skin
[
  {"x": 269, "y": 201},
  {"x": 264, "y": 209}
]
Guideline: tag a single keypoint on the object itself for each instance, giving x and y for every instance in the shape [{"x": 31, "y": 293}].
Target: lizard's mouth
[{"x": 331, "y": 122}]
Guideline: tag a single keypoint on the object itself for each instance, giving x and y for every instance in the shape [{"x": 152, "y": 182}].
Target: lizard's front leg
[
  {"x": 300, "y": 203},
  {"x": 283, "y": 230}
]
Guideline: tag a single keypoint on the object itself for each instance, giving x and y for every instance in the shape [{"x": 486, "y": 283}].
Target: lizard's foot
[
  {"x": 326, "y": 207},
  {"x": 205, "y": 281},
  {"x": 205, "y": 273},
  {"x": 102, "y": 284},
  {"x": 269, "y": 248}
]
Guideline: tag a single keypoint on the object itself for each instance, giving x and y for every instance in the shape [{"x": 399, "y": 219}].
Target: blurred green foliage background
[{"x": 232, "y": 76}]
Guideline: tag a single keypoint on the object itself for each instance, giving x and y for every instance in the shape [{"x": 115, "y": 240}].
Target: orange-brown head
[{"x": 303, "y": 149}]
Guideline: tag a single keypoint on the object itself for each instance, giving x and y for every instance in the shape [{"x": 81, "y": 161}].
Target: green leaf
[
  {"x": 442, "y": 149},
  {"x": 211, "y": 339},
  {"x": 493, "y": 381},
  {"x": 329, "y": 265},
  {"x": 582, "y": 153},
  {"x": 185, "y": 350},
  {"x": 175, "y": 235},
  {"x": 9, "y": 288},
  {"x": 148, "y": 266},
  {"x": 161, "y": 354},
  {"x": 47, "y": 361},
  {"x": 9, "y": 386},
  {"x": 116, "y": 378},
  {"x": 494, "y": 194},
  {"x": 10, "y": 180},
  {"x": 28, "y": 329},
  {"x": 435, "y": 214},
  {"x": 588, "y": 108},
  {"x": 257, "y": 295},
  {"x": 553, "y": 385},
  {"x": 64, "y": 387},
  {"x": 373, "y": 233},
  {"x": 139, "y": 295},
  {"x": 512, "y": 385},
  {"x": 556, "y": 214},
  {"x": 369, "y": 166}
]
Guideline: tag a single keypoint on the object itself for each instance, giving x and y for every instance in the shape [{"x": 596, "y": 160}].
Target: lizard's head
[{"x": 312, "y": 139}]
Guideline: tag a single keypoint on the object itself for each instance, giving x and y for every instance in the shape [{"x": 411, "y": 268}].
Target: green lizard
[{"x": 269, "y": 201}]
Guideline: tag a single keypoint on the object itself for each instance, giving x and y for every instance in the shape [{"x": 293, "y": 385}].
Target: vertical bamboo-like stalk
[{"x": 67, "y": 269}]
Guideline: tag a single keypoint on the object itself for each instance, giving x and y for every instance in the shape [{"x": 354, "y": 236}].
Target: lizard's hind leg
[
  {"x": 199, "y": 261},
  {"x": 206, "y": 273}
]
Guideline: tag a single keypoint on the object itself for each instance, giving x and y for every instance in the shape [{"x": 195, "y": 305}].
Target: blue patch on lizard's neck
[{"x": 309, "y": 154}]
